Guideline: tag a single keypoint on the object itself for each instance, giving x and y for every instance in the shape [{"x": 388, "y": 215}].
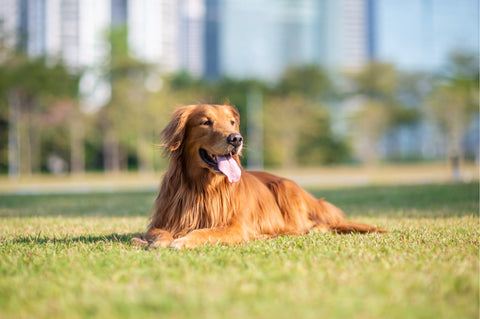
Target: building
[
  {"x": 345, "y": 34},
  {"x": 260, "y": 38},
  {"x": 212, "y": 39},
  {"x": 420, "y": 34},
  {"x": 9, "y": 20},
  {"x": 245, "y": 38},
  {"x": 153, "y": 32}
]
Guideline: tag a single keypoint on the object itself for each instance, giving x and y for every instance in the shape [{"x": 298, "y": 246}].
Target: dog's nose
[{"x": 235, "y": 139}]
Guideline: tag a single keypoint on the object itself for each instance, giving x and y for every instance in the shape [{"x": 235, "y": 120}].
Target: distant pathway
[{"x": 323, "y": 177}]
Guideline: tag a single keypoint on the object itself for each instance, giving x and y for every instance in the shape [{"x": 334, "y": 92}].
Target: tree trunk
[
  {"x": 111, "y": 152},
  {"x": 25, "y": 143},
  {"x": 35, "y": 140},
  {"x": 455, "y": 162},
  {"x": 455, "y": 148},
  {"x": 289, "y": 150},
  {"x": 77, "y": 148},
  {"x": 13, "y": 135},
  {"x": 144, "y": 153}
]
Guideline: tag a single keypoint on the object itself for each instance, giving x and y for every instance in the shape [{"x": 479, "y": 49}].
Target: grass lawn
[{"x": 69, "y": 256}]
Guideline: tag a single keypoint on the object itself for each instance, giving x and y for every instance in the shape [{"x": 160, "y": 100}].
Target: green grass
[{"x": 69, "y": 256}]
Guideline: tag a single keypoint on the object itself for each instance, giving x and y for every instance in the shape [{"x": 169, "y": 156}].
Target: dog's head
[{"x": 207, "y": 137}]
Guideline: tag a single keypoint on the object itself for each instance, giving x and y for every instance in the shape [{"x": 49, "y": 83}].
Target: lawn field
[{"x": 69, "y": 256}]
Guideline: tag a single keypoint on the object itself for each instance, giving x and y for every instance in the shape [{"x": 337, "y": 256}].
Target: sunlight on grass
[{"x": 67, "y": 262}]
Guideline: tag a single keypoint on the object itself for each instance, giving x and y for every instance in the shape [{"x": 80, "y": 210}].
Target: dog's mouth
[
  {"x": 209, "y": 159},
  {"x": 224, "y": 164}
]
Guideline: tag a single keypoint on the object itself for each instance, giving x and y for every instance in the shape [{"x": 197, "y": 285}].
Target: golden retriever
[{"x": 207, "y": 198}]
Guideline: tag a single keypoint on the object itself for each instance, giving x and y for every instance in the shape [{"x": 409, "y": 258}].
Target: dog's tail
[
  {"x": 335, "y": 219},
  {"x": 350, "y": 227}
]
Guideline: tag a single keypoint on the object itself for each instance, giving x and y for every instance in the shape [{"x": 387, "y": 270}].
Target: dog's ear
[
  {"x": 174, "y": 133},
  {"x": 235, "y": 112}
]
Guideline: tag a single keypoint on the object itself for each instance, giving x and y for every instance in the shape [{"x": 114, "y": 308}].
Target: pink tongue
[{"x": 229, "y": 167}]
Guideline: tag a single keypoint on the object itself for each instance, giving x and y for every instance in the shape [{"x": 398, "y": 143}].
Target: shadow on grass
[
  {"x": 433, "y": 201},
  {"x": 85, "y": 239},
  {"x": 126, "y": 204}
]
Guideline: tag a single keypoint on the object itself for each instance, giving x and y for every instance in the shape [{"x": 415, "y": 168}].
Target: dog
[{"x": 206, "y": 197}]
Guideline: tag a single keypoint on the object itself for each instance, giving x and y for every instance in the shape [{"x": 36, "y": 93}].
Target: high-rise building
[
  {"x": 170, "y": 60},
  {"x": 69, "y": 29},
  {"x": 170, "y": 34},
  {"x": 94, "y": 19},
  {"x": 260, "y": 38},
  {"x": 69, "y": 26},
  {"x": 297, "y": 31},
  {"x": 148, "y": 29},
  {"x": 118, "y": 12},
  {"x": 371, "y": 29},
  {"x": 211, "y": 42},
  {"x": 249, "y": 39},
  {"x": 344, "y": 33},
  {"x": 354, "y": 34},
  {"x": 9, "y": 20},
  {"x": 420, "y": 34},
  {"x": 192, "y": 36},
  {"x": 245, "y": 38},
  {"x": 33, "y": 27}
]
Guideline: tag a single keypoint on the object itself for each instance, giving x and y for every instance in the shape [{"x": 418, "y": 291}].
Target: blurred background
[{"x": 87, "y": 85}]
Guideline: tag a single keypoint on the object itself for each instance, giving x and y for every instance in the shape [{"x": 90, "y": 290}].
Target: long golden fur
[{"x": 201, "y": 202}]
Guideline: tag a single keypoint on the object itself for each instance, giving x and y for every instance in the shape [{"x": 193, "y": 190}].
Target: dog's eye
[
  {"x": 232, "y": 122},
  {"x": 207, "y": 123}
]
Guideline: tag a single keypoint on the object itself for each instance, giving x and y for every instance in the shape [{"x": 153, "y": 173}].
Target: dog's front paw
[
  {"x": 183, "y": 242},
  {"x": 163, "y": 240},
  {"x": 139, "y": 242},
  {"x": 160, "y": 243}
]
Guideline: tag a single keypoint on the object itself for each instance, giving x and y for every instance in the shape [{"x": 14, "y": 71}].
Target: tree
[
  {"x": 301, "y": 132},
  {"x": 370, "y": 122},
  {"x": 454, "y": 101},
  {"x": 124, "y": 130},
  {"x": 28, "y": 88},
  {"x": 311, "y": 81},
  {"x": 380, "y": 107}
]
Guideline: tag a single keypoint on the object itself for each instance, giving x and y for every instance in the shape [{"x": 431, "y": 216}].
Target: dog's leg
[
  {"x": 224, "y": 235},
  {"x": 162, "y": 239},
  {"x": 320, "y": 228},
  {"x": 154, "y": 238}
]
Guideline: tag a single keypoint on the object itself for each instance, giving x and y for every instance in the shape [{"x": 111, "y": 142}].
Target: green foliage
[
  {"x": 454, "y": 100},
  {"x": 317, "y": 143},
  {"x": 34, "y": 88},
  {"x": 377, "y": 81},
  {"x": 36, "y": 78},
  {"x": 182, "y": 80},
  {"x": 125, "y": 121},
  {"x": 301, "y": 132},
  {"x": 404, "y": 116},
  {"x": 299, "y": 109},
  {"x": 236, "y": 92},
  {"x": 293, "y": 103},
  {"x": 462, "y": 67},
  {"x": 311, "y": 81},
  {"x": 70, "y": 256},
  {"x": 388, "y": 100}
]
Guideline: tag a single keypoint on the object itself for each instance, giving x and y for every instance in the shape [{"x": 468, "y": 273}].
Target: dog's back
[{"x": 302, "y": 212}]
